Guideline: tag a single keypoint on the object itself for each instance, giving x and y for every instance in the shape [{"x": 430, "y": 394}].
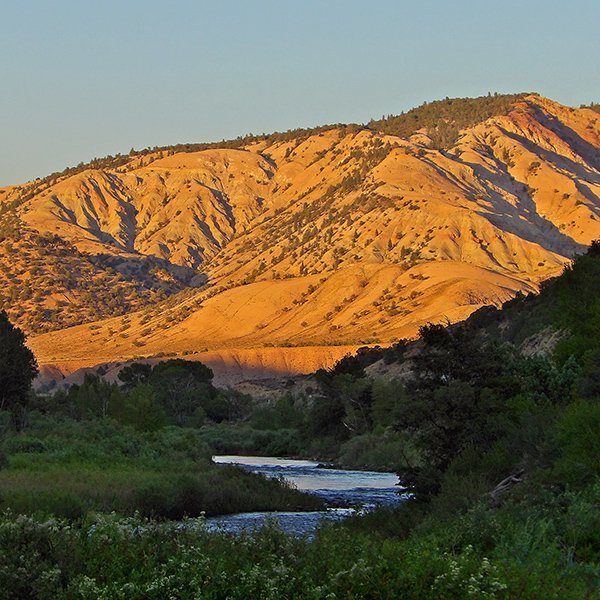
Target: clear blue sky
[{"x": 81, "y": 79}]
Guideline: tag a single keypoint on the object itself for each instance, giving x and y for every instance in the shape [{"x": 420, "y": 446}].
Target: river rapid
[{"x": 345, "y": 492}]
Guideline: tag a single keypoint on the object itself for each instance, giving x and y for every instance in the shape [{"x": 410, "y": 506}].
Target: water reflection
[{"x": 308, "y": 475}]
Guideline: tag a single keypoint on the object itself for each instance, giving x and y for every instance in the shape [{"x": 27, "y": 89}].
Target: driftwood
[{"x": 507, "y": 484}]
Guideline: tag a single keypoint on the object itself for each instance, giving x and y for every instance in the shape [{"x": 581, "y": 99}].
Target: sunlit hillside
[{"x": 341, "y": 235}]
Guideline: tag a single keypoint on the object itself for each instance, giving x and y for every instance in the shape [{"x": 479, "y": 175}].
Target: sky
[{"x": 81, "y": 79}]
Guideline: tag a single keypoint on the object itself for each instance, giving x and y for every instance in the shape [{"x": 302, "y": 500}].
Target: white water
[{"x": 353, "y": 490}]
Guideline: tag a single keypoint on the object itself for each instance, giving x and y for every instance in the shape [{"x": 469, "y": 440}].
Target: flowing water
[{"x": 345, "y": 491}]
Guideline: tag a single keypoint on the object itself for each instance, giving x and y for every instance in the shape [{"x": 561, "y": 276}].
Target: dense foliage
[
  {"x": 529, "y": 552},
  {"x": 173, "y": 392}
]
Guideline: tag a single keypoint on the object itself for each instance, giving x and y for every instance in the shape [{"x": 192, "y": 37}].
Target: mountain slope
[
  {"x": 341, "y": 235},
  {"x": 181, "y": 210}
]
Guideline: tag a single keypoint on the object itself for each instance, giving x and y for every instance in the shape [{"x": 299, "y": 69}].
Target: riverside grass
[
  {"x": 167, "y": 491},
  {"x": 67, "y": 469}
]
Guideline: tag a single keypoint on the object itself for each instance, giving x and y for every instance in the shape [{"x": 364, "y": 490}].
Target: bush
[
  {"x": 578, "y": 437},
  {"x": 24, "y": 444},
  {"x": 388, "y": 452}
]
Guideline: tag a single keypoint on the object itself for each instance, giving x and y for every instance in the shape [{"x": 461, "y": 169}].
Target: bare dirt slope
[
  {"x": 230, "y": 367},
  {"x": 347, "y": 236}
]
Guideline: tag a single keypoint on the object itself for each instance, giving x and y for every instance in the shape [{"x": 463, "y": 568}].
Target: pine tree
[{"x": 18, "y": 369}]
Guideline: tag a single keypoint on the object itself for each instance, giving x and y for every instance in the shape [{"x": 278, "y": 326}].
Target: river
[{"x": 348, "y": 491}]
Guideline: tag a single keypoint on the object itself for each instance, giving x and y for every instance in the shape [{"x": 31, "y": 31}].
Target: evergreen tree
[{"x": 18, "y": 369}]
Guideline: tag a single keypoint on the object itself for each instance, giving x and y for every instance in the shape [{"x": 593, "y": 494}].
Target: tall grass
[
  {"x": 68, "y": 469},
  {"x": 171, "y": 492}
]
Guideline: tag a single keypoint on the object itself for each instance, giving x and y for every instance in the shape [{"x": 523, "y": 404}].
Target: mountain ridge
[{"x": 340, "y": 235}]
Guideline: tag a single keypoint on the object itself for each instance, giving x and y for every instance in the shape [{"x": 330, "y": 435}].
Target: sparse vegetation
[
  {"x": 350, "y": 215},
  {"x": 43, "y": 278}
]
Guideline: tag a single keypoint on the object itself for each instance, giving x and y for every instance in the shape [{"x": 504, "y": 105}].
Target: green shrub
[
  {"x": 107, "y": 556},
  {"x": 578, "y": 437},
  {"x": 24, "y": 444},
  {"x": 386, "y": 452}
]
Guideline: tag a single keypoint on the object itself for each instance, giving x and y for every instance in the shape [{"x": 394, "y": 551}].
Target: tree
[
  {"x": 142, "y": 410},
  {"x": 181, "y": 386},
  {"x": 455, "y": 400},
  {"x": 227, "y": 405},
  {"x": 344, "y": 406},
  {"x": 96, "y": 397},
  {"x": 135, "y": 373},
  {"x": 18, "y": 369}
]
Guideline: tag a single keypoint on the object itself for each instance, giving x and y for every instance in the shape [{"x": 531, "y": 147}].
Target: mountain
[{"x": 338, "y": 236}]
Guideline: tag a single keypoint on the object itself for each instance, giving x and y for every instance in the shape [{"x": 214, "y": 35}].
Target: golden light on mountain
[{"x": 336, "y": 237}]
